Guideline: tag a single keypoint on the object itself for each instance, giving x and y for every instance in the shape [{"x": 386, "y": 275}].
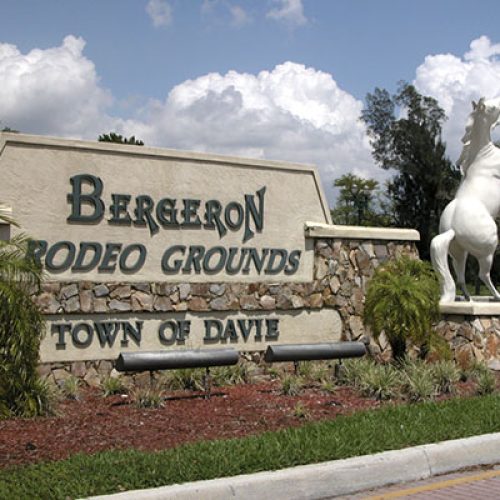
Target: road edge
[{"x": 338, "y": 477}]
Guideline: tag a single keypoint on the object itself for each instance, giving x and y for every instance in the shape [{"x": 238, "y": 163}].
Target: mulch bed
[{"x": 94, "y": 423}]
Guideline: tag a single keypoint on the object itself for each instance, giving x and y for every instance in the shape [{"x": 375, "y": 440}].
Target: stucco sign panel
[
  {"x": 99, "y": 336},
  {"x": 103, "y": 212}
]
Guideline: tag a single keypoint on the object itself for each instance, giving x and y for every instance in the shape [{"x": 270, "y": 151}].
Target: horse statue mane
[
  {"x": 467, "y": 155},
  {"x": 467, "y": 224}
]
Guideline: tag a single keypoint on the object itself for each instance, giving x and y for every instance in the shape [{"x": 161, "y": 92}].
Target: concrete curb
[{"x": 339, "y": 477}]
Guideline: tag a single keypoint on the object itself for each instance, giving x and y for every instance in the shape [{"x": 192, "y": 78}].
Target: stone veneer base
[{"x": 342, "y": 270}]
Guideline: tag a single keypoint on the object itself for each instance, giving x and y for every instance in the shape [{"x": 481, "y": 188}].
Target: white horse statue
[{"x": 467, "y": 224}]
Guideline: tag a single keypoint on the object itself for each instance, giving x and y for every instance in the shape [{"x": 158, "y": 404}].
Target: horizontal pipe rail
[
  {"x": 310, "y": 352},
  {"x": 170, "y": 360}
]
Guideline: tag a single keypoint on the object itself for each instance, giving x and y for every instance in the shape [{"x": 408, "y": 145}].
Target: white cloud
[
  {"x": 290, "y": 113},
  {"x": 456, "y": 81},
  {"x": 223, "y": 11},
  {"x": 481, "y": 48},
  {"x": 290, "y": 12},
  {"x": 54, "y": 91},
  {"x": 160, "y": 12},
  {"x": 239, "y": 15}
]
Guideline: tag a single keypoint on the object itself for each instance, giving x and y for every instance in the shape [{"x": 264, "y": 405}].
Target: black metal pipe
[
  {"x": 309, "y": 352},
  {"x": 170, "y": 360}
]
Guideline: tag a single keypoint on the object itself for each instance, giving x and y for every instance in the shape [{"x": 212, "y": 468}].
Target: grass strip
[{"x": 389, "y": 428}]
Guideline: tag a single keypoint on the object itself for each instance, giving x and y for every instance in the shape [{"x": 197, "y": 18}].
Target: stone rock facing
[
  {"x": 472, "y": 338},
  {"x": 342, "y": 270}
]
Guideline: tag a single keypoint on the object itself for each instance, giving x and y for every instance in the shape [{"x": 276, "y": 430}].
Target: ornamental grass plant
[
  {"x": 291, "y": 384},
  {"x": 485, "y": 383},
  {"x": 380, "y": 381},
  {"x": 190, "y": 379},
  {"x": 148, "y": 397},
  {"x": 419, "y": 382},
  {"x": 70, "y": 387},
  {"x": 230, "y": 375},
  {"x": 113, "y": 385},
  {"x": 446, "y": 374},
  {"x": 353, "y": 370}
]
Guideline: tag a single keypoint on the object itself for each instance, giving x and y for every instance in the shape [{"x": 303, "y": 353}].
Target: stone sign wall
[
  {"x": 153, "y": 249},
  {"x": 148, "y": 249},
  {"x": 343, "y": 265}
]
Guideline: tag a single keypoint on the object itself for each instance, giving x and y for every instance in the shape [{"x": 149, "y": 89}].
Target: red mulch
[{"x": 94, "y": 423}]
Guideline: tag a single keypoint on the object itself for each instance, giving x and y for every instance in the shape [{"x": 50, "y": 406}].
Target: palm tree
[
  {"x": 402, "y": 300},
  {"x": 21, "y": 327}
]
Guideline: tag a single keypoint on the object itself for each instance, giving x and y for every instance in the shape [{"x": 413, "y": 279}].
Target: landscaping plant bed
[{"x": 93, "y": 423}]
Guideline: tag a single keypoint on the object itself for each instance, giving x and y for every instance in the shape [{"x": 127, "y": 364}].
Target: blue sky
[{"x": 281, "y": 79}]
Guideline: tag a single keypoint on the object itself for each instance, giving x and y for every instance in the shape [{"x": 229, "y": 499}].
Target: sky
[{"x": 273, "y": 79}]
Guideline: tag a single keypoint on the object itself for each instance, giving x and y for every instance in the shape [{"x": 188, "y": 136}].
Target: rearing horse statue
[{"x": 467, "y": 224}]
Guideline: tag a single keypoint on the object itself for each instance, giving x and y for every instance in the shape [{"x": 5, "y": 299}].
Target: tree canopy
[
  {"x": 356, "y": 203},
  {"x": 117, "y": 138},
  {"x": 405, "y": 133}
]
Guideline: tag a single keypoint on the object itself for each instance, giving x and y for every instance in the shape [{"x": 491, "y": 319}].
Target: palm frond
[{"x": 402, "y": 301}]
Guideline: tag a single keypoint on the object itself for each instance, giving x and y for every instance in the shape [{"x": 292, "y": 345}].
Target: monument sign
[{"x": 131, "y": 219}]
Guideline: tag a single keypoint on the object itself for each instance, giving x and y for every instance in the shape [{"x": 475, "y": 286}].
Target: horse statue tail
[{"x": 439, "y": 257}]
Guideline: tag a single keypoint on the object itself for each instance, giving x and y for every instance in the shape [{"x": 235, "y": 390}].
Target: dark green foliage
[
  {"x": 357, "y": 202},
  {"x": 21, "y": 326},
  {"x": 425, "y": 180},
  {"x": 392, "y": 427},
  {"x": 119, "y": 139},
  {"x": 402, "y": 300}
]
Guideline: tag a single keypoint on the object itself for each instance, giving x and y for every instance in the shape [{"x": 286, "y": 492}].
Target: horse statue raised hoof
[{"x": 467, "y": 224}]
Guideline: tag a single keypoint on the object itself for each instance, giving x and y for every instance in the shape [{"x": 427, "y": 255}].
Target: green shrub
[
  {"x": 70, "y": 387},
  {"x": 190, "y": 379},
  {"x": 300, "y": 411},
  {"x": 113, "y": 385},
  {"x": 317, "y": 372},
  {"x": 274, "y": 372},
  {"x": 42, "y": 400},
  {"x": 21, "y": 327},
  {"x": 475, "y": 370},
  {"x": 419, "y": 381},
  {"x": 47, "y": 396},
  {"x": 313, "y": 371},
  {"x": 291, "y": 385},
  {"x": 305, "y": 370},
  {"x": 230, "y": 375},
  {"x": 380, "y": 381},
  {"x": 352, "y": 371},
  {"x": 148, "y": 397},
  {"x": 328, "y": 386},
  {"x": 402, "y": 300},
  {"x": 446, "y": 374},
  {"x": 485, "y": 383}
]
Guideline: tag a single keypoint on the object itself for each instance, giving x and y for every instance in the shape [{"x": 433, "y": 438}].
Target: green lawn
[{"x": 392, "y": 427}]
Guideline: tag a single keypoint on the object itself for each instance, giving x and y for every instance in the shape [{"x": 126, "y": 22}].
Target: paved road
[{"x": 483, "y": 484}]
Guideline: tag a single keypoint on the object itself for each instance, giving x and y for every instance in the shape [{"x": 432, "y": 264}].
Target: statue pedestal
[
  {"x": 473, "y": 330},
  {"x": 479, "y": 306}
]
